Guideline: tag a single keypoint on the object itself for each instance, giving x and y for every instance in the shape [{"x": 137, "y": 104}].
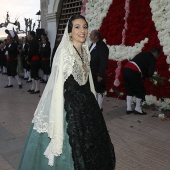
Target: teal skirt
[
  {"x": 33, "y": 154},
  {"x": 87, "y": 144}
]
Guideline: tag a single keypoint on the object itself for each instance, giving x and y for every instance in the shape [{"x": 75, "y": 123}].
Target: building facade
[
  {"x": 55, "y": 14},
  {"x": 50, "y": 12}
]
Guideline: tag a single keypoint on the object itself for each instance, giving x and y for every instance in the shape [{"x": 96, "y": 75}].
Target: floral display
[
  {"x": 96, "y": 11},
  {"x": 161, "y": 17},
  {"x": 129, "y": 27}
]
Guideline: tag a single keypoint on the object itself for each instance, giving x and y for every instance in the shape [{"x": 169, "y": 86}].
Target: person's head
[
  {"x": 44, "y": 40},
  {"x": 3, "y": 44},
  {"x": 24, "y": 40},
  {"x": 5, "y": 41},
  {"x": 31, "y": 35},
  {"x": 43, "y": 35},
  {"x": 156, "y": 52},
  {"x": 9, "y": 39},
  {"x": 7, "y": 32},
  {"x": 95, "y": 36},
  {"x": 77, "y": 29}
]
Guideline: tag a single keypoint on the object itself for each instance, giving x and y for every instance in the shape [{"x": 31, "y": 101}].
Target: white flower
[
  {"x": 155, "y": 82},
  {"x": 161, "y": 16},
  {"x": 155, "y": 73},
  {"x": 111, "y": 90},
  {"x": 105, "y": 93},
  {"x": 96, "y": 13},
  {"x": 121, "y": 93},
  {"x": 168, "y": 61},
  {"x": 165, "y": 103},
  {"x": 150, "y": 99}
]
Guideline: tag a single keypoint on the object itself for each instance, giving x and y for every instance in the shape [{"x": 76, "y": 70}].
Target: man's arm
[
  {"x": 151, "y": 69},
  {"x": 12, "y": 51},
  {"x": 104, "y": 54}
]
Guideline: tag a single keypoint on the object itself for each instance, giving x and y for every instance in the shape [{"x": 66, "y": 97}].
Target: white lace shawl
[{"x": 48, "y": 116}]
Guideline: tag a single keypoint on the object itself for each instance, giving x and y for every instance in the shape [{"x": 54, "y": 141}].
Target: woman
[{"x": 68, "y": 127}]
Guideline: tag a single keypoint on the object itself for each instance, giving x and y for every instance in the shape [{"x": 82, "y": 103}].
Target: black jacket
[
  {"x": 99, "y": 59},
  {"x": 33, "y": 49},
  {"x": 2, "y": 52},
  {"x": 45, "y": 52},
  {"x": 12, "y": 51},
  {"x": 24, "y": 50},
  {"x": 146, "y": 62}
]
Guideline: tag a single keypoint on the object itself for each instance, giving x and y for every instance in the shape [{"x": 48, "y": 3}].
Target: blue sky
[{"x": 18, "y": 9}]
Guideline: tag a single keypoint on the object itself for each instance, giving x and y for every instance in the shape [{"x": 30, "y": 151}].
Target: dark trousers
[
  {"x": 0, "y": 62},
  {"x": 134, "y": 83},
  {"x": 12, "y": 68},
  {"x": 99, "y": 86},
  {"x": 25, "y": 65},
  {"x": 35, "y": 66},
  {"x": 4, "y": 61},
  {"x": 45, "y": 66}
]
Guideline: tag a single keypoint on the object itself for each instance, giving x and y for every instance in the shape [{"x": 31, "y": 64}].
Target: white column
[{"x": 52, "y": 22}]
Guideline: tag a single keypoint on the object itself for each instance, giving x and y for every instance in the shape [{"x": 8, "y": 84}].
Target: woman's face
[
  {"x": 23, "y": 40},
  {"x": 9, "y": 39},
  {"x": 79, "y": 31},
  {"x": 43, "y": 40}
]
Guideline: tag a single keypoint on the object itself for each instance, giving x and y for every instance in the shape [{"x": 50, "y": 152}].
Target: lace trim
[
  {"x": 40, "y": 120},
  {"x": 79, "y": 73},
  {"x": 67, "y": 66}
]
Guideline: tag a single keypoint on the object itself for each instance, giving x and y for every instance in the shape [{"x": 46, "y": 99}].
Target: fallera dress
[
  {"x": 87, "y": 145},
  {"x": 68, "y": 131}
]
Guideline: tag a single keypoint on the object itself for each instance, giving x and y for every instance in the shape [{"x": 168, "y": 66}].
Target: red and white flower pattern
[{"x": 129, "y": 27}]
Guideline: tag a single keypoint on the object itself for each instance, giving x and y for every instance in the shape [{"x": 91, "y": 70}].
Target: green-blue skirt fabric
[
  {"x": 35, "y": 145},
  {"x": 87, "y": 144}
]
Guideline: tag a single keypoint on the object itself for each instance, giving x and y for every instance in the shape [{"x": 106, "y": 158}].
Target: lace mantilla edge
[
  {"x": 49, "y": 152},
  {"x": 45, "y": 117},
  {"x": 79, "y": 72}
]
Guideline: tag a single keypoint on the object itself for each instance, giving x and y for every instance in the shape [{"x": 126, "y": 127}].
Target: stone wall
[
  {"x": 44, "y": 11},
  {"x": 50, "y": 10}
]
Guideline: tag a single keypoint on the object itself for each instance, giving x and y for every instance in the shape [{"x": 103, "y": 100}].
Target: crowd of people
[{"x": 34, "y": 56}]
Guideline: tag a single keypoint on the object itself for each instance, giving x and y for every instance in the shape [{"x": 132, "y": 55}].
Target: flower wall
[{"x": 129, "y": 27}]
